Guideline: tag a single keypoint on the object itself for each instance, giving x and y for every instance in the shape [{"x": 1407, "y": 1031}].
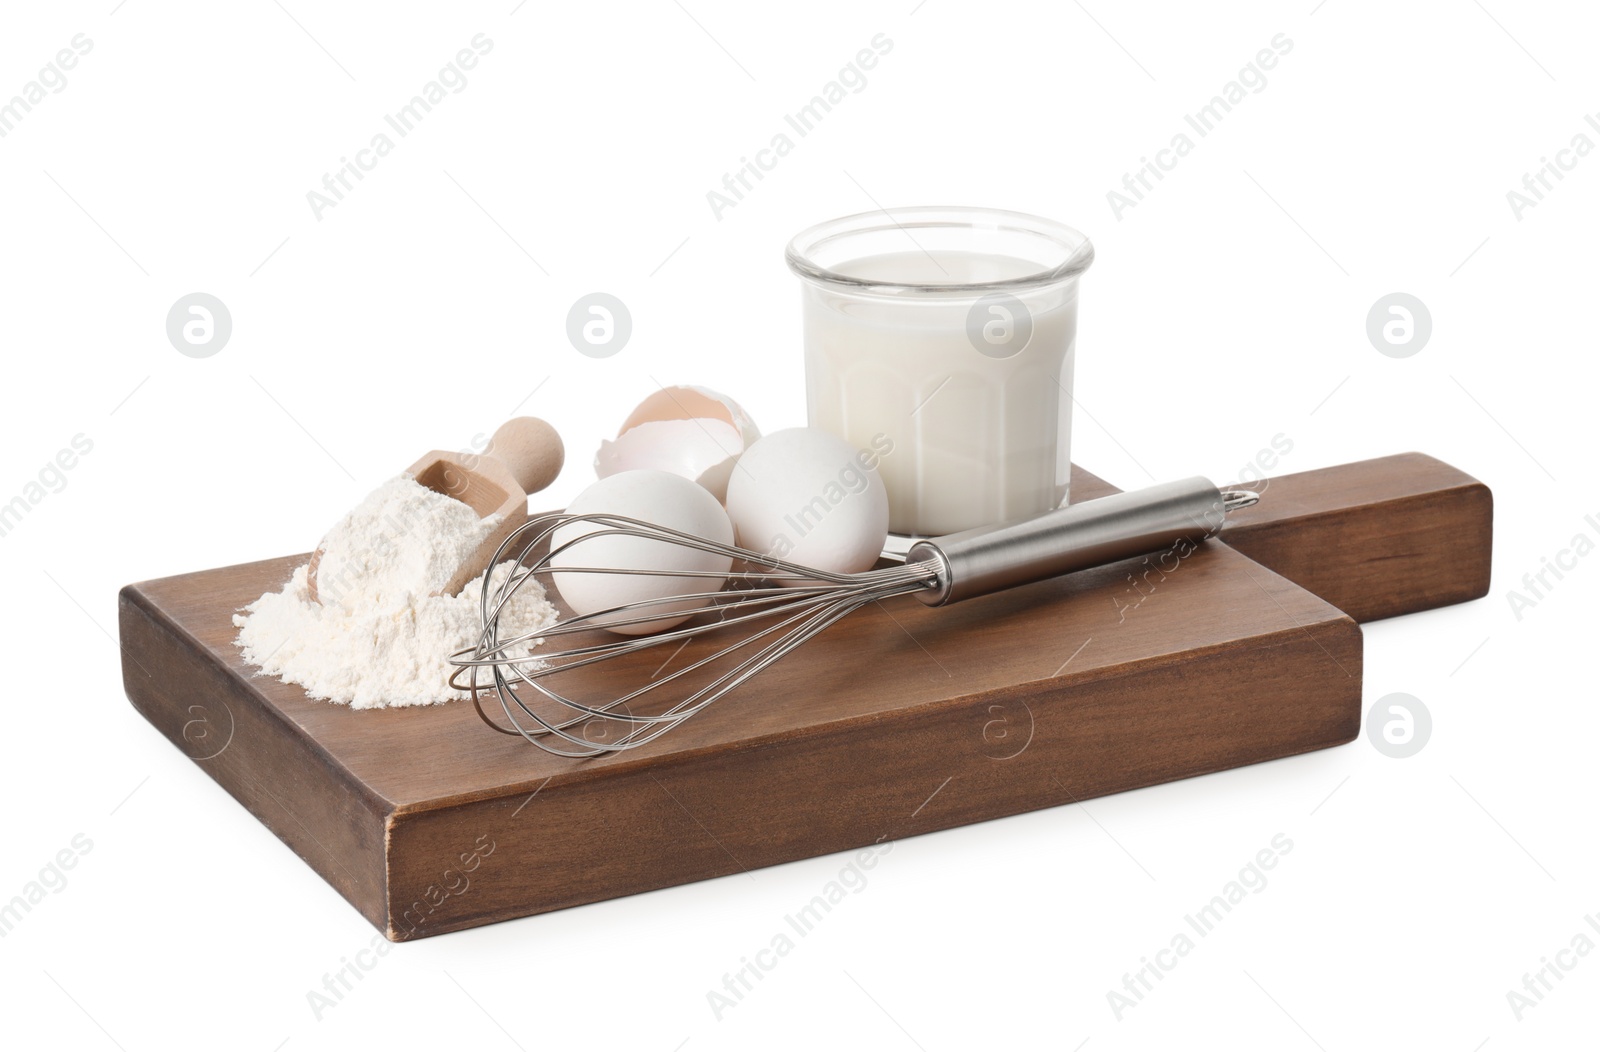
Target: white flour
[{"x": 378, "y": 638}]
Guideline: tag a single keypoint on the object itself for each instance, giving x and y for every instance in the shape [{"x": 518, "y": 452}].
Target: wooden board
[{"x": 900, "y": 720}]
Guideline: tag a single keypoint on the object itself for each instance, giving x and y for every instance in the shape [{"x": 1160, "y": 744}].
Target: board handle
[{"x": 1376, "y": 538}]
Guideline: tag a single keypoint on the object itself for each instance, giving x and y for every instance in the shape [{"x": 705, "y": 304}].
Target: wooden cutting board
[{"x": 901, "y": 720}]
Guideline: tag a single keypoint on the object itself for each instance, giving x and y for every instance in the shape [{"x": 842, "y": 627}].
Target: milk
[{"x": 977, "y": 437}]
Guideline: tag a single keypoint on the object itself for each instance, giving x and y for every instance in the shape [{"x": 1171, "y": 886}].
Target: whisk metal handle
[{"x": 1093, "y": 533}]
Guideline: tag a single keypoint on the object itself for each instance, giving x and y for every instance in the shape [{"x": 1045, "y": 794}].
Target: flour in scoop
[{"x": 378, "y": 637}]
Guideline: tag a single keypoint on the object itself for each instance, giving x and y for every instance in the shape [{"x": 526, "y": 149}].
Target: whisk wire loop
[{"x": 779, "y": 603}]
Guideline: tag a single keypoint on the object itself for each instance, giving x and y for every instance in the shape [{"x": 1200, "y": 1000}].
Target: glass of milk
[{"x": 940, "y": 342}]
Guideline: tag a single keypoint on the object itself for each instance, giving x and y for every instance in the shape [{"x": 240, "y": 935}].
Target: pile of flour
[{"x": 378, "y": 637}]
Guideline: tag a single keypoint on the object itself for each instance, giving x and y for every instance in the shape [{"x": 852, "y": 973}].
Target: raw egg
[
  {"x": 809, "y": 497},
  {"x": 657, "y": 497}
]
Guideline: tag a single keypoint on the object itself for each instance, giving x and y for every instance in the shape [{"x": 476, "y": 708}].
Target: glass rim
[{"x": 1076, "y": 247}]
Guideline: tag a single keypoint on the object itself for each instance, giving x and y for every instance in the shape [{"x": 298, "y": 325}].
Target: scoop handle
[
  {"x": 1093, "y": 533},
  {"x": 530, "y": 449}
]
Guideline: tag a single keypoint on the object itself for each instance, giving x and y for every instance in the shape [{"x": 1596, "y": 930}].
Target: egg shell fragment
[
  {"x": 690, "y": 431},
  {"x": 693, "y": 449}
]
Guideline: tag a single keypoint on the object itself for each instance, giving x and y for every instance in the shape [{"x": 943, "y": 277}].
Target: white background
[{"x": 1226, "y": 308}]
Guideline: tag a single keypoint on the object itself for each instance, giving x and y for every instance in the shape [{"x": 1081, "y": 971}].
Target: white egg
[
  {"x": 811, "y": 498},
  {"x": 652, "y": 496},
  {"x": 690, "y": 431}
]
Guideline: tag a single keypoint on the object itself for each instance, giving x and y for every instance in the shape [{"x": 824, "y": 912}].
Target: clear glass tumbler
[{"x": 940, "y": 341}]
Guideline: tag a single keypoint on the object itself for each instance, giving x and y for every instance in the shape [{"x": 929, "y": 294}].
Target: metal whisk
[{"x": 779, "y": 605}]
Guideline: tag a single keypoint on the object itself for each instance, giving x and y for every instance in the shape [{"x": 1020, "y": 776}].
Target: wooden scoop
[{"x": 524, "y": 456}]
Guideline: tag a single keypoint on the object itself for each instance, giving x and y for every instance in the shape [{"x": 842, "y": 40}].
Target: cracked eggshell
[{"x": 693, "y": 432}]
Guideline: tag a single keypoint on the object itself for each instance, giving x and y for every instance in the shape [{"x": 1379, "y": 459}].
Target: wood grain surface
[{"x": 1376, "y": 539}]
